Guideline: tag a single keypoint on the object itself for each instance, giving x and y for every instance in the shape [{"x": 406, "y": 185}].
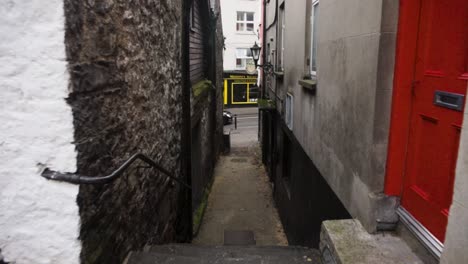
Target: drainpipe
[
  {"x": 264, "y": 48},
  {"x": 186, "y": 138},
  {"x": 276, "y": 53},
  {"x": 276, "y": 15},
  {"x": 264, "y": 41}
]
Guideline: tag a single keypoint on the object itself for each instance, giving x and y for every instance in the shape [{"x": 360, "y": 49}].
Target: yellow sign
[{"x": 241, "y": 76}]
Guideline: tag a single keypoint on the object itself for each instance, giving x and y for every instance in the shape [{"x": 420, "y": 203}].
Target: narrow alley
[
  {"x": 241, "y": 196},
  {"x": 240, "y": 223},
  {"x": 234, "y": 132}
]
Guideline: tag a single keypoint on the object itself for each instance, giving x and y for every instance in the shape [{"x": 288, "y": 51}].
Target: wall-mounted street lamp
[{"x": 255, "y": 49}]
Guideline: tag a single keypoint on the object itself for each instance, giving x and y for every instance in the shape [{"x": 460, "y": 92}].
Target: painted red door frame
[{"x": 408, "y": 23}]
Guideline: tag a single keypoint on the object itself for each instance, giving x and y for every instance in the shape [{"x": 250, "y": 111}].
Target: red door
[{"x": 439, "y": 87}]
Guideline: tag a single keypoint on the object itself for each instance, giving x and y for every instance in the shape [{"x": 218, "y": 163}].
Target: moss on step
[{"x": 200, "y": 210}]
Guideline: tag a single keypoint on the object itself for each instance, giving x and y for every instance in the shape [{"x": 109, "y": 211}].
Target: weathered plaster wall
[
  {"x": 39, "y": 219},
  {"x": 125, "y": 60},
  {"x": 456, "y": 238},
  {"x": 344, "y": 125},
  {"x": 347, "y": 123},
  {"x": 270, "y": 40}
]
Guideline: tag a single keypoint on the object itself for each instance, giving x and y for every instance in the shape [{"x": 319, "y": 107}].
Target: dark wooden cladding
[{"x": 198, "y": 38}]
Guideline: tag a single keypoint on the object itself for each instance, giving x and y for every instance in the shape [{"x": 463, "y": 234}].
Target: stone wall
[
  {"x": 39, "y": 219},
  {"x": 207, "y": 101},
  {"x": 456, "y": 238},
  {"x": 219, "y": 49},
  {"x": 126, "y": 93},
  {"x": 202, "y": 147}
]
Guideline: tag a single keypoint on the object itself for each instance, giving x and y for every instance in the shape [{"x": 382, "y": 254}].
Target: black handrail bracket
[{"x": 81, "y": 179}]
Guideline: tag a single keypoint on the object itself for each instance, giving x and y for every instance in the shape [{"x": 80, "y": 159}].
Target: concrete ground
[
  {"x": 246, "y": 133},
  {"x": 241, "y": 196},
  {"x": 348, "y": 242}
]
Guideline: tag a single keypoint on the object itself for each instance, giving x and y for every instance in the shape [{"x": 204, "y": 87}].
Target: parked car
[{"x": 227, "y": 117}]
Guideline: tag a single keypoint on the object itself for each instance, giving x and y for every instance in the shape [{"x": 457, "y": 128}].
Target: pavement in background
[
  {"x": 241, "y": 196},
  {"x": 246, "y": 133}
]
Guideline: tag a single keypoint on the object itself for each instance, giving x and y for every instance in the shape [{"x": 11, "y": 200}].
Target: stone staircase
[{"x": 193, "y": 254}]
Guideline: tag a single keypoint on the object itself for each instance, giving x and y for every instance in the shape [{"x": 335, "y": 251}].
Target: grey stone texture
[
  {"x": 190, "y": 254},
  {"x": 203, "y": 146},
  {"x": 353, "y": 99},
  {"x": 219, "y": 79},
  {"x": 126, "y": 94},
  {"x": 241, "y": 199},
  {"x": 347, "y": 242},
  {"x": 456, "y": 238},
  {"x": 344, "y": 124},
  {"x": 206, "y": 108}
]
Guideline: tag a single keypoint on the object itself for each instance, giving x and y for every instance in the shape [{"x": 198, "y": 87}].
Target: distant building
[{"x": 241, "y": 20}]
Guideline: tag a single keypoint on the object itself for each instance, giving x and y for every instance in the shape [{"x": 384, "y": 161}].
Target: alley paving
[
  {"x": 241, "y": 196},
  {"x": 246, "y": 133}
]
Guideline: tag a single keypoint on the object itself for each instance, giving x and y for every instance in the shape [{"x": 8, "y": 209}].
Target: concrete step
[
  {"x": 347, "y": 242},
  {"x": 188, "y": 254},
  {"x": 234, "y": 251},
  {"x": 158, "y": 258}
]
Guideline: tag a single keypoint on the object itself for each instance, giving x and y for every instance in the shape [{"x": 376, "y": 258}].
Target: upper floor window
[
  {"x": 192, "y": 15},
  {"x": 243, "y": 56},
  {"x": 282, "y": 32},
  {"x": 245, "y": 21},
  {"x": 289, "y": 111},
  {"x": 313, "y": 36}
]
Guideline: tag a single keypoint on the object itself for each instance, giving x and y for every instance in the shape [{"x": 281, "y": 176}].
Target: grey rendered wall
[
  {"x": 344, "y": 126},
  {"x": 270, "y": 37},
  {"x": 456, "y": 238}
]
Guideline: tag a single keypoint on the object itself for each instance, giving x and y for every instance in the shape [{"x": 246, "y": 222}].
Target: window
[
  {"x": 243, "y": 56},
  {"x": 280, "y": 66},
  {"x": 268, "y": 53},
  {"x": 289, "y": 111},
  {"x": 313, "y": 36},
  {"x": 245, "y": 22},
  {"x": 287, "y": 164},
  {"x": 192, "y": 16}
]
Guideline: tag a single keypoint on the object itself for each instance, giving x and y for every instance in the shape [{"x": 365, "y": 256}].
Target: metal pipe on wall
[{"x": 186, "y": 140}]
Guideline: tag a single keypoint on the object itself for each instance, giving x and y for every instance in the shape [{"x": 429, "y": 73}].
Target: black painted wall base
[{"x": 303, "y": 197}]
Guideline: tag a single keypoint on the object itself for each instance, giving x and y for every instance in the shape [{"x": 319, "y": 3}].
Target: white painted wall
[
  {"x": 234, "y": 39},
  {"x": 38, "y": 218}
]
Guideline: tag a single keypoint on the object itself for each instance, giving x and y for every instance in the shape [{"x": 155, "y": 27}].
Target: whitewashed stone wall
[{"x": 38, "y": 218}]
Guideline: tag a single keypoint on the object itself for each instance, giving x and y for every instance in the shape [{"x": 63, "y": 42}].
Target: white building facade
[{"x": 241, "y": 20}]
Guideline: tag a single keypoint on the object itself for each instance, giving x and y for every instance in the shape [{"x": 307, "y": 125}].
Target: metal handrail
[{"x": 81, "y": 179}]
